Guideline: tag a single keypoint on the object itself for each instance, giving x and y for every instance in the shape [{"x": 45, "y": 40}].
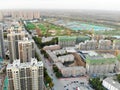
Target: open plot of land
[
  {"x": 84, "y": 28},
  {"x": 76, "y": 25},
  {"x": 49, "y": 29}
]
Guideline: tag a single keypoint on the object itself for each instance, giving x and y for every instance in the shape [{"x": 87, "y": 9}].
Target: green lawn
[
  {"x": 30, "y": 26},
  {"x": 45, "y": 27}
]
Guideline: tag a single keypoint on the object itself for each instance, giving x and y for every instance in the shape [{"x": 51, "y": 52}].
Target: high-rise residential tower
[
  {"x": 13, "y": 39},
  {"x": 25, "y": 76},
  {"x": 2, "y": 52},
  {"x": 26, "y": 50}
]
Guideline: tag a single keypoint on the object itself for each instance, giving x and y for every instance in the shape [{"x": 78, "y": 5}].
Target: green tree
[{"x": 118, "y": 78}]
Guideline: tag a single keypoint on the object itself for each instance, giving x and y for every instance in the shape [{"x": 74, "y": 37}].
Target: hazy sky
[{"x": 60, "y": 4}]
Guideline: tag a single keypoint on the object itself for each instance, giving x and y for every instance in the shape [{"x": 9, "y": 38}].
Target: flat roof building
[
  {"x": 2, "y": 51},
  {"x": 25, "y": 76},
  {"x": 100, "y": 63},
  {"x": 13, "y": 39},
  {"x": 110, "y": 84},
  {"x": 26, "y": 50}
]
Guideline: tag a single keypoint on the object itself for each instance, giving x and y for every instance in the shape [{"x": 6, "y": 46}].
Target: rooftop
[
  {"x": 65, "y": 38},
  {"x": 97, "y": 58},
  {"x": 113, "y": 83},
  {"x": 17, "y": 64}
]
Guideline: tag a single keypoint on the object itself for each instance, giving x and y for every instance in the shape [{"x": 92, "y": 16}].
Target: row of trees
[
  {"x": 47, "y": 79},
  {"x": 44, "y": 53},
  {"x": 30, "y": 26},
  {"x": 96, "y": 83},
  {"x": 37, "y": 56},
  {"x": 57, "y": 71},
  {"x": 39, "y": 43},
  {"x": 118, "y": 78}
]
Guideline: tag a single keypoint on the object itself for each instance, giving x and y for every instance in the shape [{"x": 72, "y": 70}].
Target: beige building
[
  {"x": 25, "y": 76},
  {"x": 26, "y": 50},
  {"x": 105, "y": 44},
  {"x": 88, "y": 45},
  {"x": 22, "y": 14},
  {"x": 60, "y": 52},
  {"x": 116, "y": 44},
  {"x": 1, "y": 16},
  {"x": 13, "y": 39},
  {"x": 66, "y": 58},
  {"x": 52, "y": 47},
  {"x": 71, "y": 71}
]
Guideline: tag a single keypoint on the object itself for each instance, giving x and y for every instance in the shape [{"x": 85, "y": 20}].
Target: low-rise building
[
  {"x": 116, "y": 44},
  {"x": 66, "y": 41},
  {"x": 105, "y": 45},
  {"x": 46, "y": 39},
  {"x": 66, "y": 58},
  {"x": 59, "y": 52},
  {"x": 52, "y": 57},
  {"x": 88, "y": 45},
  {"x": 52, "y": 47},
  {"x": 110, "y": 84},
  {"x": 71, "y": 71},
  {"x": 100, "y": 63}
]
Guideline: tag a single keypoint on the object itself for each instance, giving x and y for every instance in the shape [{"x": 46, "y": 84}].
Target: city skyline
[{"x": 60, "y": 4}]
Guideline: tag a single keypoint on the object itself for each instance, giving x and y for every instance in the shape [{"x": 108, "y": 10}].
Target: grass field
[{"x": 56, "y": 30}]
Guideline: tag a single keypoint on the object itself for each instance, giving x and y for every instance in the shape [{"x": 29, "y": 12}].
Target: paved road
[{"x": 57, "y": 83}]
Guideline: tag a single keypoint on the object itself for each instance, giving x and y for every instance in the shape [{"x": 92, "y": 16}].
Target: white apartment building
[
  {"x": 26, "y": 50},
  {"x": 25, "y": 76},
  {"x": 110, "y": 84},
  {"x": 100, "y": 63}
]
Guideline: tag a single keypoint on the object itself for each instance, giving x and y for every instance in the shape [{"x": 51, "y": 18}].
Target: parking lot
[{"x": 74, "y": 83}]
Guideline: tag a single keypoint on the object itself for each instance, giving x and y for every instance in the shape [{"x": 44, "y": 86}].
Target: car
[
  {"x": 64, "y": 86},
  {"x": 81, "y": 82}
]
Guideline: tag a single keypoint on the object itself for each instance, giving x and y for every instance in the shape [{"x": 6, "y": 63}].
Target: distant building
[
  {"x": 66, "y": 41},
  {"x": 110, "y": 84},
  {"x": 88, "y": 45},
  {"x": 94, "y": 45},
  {"x": 13, "y": 39},
  {"x": 105, "y": 45},
  {"x": 26, "y": 50},
  {"x": 2, "y": 51},
  {"x": 22, "y": 14},
  {"x": 25, "y": 76},
  {"x": 1, "y": 16},
  {"x": 116, "y": 44},
  {"x": 46, "y": 39}
]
